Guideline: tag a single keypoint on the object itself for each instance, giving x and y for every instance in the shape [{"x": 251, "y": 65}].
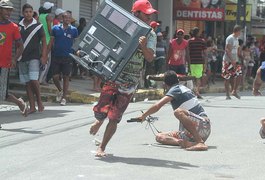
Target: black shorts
[{"x": 61, "y": 65}]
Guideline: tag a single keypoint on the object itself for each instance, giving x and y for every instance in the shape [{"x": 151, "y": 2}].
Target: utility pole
[{"x": 241, "y": 12}]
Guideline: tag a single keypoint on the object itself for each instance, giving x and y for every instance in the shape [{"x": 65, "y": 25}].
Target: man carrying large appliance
[{"x": 115, "y": 96}]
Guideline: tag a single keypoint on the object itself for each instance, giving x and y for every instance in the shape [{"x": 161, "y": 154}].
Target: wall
[
  {"x": 166, "y": 15},
  {"x": 72, "y": 5}
]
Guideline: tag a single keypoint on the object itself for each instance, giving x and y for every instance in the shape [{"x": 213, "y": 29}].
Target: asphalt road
[{"x": 56, "y": 145}]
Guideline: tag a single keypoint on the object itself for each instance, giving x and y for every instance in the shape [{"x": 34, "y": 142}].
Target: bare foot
[
  {"x": 40, "y": 107},
  {"x": 198, "y": 147},
  {"x": 100, "y": 153},
  {"x": 23, "y": 107},
  {"x": 236, "y": 95},
  {"x": 31, "y": 111},
  {"x": 95, "y": 127},
  {"x": 186, "y": 144},
  {"x": 256, "y": 93}
]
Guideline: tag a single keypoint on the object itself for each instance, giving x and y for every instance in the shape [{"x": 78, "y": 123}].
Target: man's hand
[
  {"x": 14, "y": 64},
  {"x": 142, "y": 42}
]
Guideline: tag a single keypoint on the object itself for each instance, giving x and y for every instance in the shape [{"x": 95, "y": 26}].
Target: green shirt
[{"x": 43, "y": 21}]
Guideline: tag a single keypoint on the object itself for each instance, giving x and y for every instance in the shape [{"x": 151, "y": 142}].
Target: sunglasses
[{"x": 180, "y": 34}]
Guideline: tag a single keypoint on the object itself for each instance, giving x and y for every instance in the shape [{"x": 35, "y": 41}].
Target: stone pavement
[{"x": 80, "y": 91}]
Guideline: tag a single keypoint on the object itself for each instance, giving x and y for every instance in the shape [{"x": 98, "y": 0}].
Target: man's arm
[
  {"x": 49, "y": 20},
  {"x": 44, "y": 54},
  {"x": 147, "y": 52},
  {"x": 154, "y": 108},
  {"x": 257, "y": 83},
  {"x": 228, "y": 50},
  {"x": 169, "y": 52},
  {"x": 19, "y": 51}
]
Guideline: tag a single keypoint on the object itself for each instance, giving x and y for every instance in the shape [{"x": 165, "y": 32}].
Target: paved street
[{"x": 56, "y": 145}]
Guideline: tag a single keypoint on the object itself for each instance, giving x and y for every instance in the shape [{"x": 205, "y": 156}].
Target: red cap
[
  {"x": 180, "y": 30},
  {"x": 154, "y": 24},
  {"x": 143, "y": 6}
]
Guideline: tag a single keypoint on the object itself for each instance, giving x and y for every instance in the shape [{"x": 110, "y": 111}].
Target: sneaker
[
  {"x": 59, "y": 96},
  {"x": 63, "y": 102}
]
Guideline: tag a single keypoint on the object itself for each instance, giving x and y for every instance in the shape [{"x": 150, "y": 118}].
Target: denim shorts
[{"x": 29, "y": 70}]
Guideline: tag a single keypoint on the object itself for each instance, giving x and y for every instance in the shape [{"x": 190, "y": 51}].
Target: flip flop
[{"x": 25, "y": 109}]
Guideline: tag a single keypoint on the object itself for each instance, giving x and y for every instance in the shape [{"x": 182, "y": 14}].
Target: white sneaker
[
  {"x": 63, "y": 102},
  {"x": 59, "y": 96}
]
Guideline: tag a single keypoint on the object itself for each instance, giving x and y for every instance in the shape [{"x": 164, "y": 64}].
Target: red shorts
[
  {"x": 111, "y": 103},
  {"x": 229, "y": 70}
]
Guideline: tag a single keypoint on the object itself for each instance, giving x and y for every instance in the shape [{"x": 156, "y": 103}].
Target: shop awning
[{"x": 231, "y": 1}]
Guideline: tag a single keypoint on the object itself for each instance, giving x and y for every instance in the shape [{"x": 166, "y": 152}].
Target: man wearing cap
[
  {"x": 58, "y": 16},
  {"x": 46, "y": 20},
  {"x": 154, "y": 25},
  {"x": 9, "y": 32},
  {"x": 177, "y": 56},
  {"x": 115, "y": 96}
]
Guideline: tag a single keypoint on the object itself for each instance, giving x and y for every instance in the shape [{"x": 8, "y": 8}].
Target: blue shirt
[
  {"x": 184, "y": 98},
  {"x": 63, "y": 39}
]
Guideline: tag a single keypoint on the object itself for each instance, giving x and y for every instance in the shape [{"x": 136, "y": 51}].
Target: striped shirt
[
  {"x": 196, "y": 48},
  {"x": 184, "y": 98}
]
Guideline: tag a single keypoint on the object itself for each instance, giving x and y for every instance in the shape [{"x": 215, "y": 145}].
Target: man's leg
[
  {"x": 19, "y": 102},
  {"x": 65, "y": 85},
  {"x": 31, "y": 98},
  {"x": 188, "y": 124},
  {"x": 109, "y": 132},
  {"x": 257, "y": 83},
  {"x": 168, "y": 138},
  {"x": 227, "y": 88},
  {"x": 35, "y": 85},
  {"x": 236, "y": 81},
  {"x": 56, "y": 80}
]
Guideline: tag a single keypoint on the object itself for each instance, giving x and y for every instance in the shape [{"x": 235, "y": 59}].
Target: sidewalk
[{"x": 80, "y": 91}]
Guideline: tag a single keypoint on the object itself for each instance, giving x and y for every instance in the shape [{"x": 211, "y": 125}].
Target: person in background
[
  {"x": 63, "y": 36},
  {"x": 46, "y": 19},
  {"x": 154, "y": 25},
  {"x": 58, "y": 16},
  {"x": 197, "y": 63},
  {"x": 259, "y": 79},
  {"x": 9, "y": 33},
  {"x": 80, "y": 28},
  {"x": 36, "y": 15},
  {"x": 231, "y": 71},
  {"x": 211, "y": 52},
  {"x": 33, "y": 55},
  {"x": 177, "y": 56},
  {"x": 160, "y": 54}
]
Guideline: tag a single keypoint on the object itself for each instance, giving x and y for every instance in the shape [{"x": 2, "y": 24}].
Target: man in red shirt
[
  {"x": 177, "y": 53},
  {"x": 9, "y": 32}
]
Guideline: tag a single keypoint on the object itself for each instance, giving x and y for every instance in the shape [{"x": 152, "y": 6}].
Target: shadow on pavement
[
  {"x": 22, "y": 130},
  {"x": 148, "y": 162},
  {"x": 15, "y": 116}
]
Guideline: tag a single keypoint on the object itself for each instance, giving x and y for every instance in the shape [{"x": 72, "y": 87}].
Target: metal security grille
[
  {"x": 15, "y": 16},
  {"x": 86, "y": 9}
]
